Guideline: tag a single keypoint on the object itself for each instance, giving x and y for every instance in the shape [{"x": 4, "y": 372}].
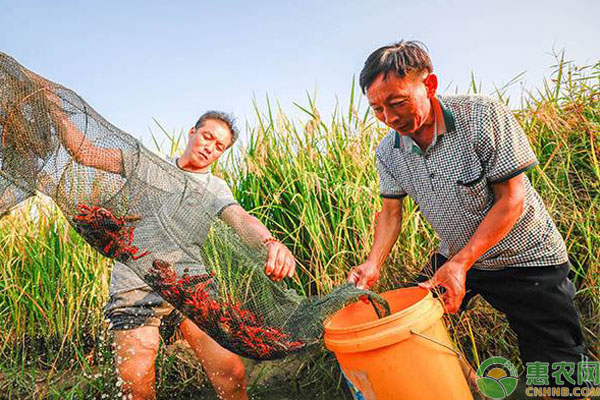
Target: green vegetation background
[{"x": 314, "y": 184}]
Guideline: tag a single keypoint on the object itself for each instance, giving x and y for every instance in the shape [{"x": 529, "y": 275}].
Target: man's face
[
  {"x": 403, "y": 104},
  {"x": 208, "y": 142}
]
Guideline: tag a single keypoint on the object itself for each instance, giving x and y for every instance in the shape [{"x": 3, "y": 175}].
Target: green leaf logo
[{"x": 497, "y": 377}]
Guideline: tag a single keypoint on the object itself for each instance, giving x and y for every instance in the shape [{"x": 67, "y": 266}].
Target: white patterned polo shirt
[{"x": 451, "y": 181}]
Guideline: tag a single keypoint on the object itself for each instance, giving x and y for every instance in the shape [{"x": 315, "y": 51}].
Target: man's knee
[
  {"x": 230, "y": 379},
  {"x": 137, "y": 343},
  {"x": 233, "y": 369},
  {"x": 224, "y": 368}
]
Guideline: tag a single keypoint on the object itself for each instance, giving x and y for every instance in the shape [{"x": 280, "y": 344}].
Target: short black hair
[
  {"x": 226, "y": 118},
  {"x": 400, "y": 58}
]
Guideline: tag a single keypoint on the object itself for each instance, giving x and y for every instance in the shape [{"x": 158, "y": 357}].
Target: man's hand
[
  {"x": 280, "y": 262},
  {"x": 452, "y": 276},
  {"x": 365, "y": 275}
]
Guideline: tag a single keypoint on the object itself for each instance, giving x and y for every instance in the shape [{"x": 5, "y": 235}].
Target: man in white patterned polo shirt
[{"x": 462, "y": 160}]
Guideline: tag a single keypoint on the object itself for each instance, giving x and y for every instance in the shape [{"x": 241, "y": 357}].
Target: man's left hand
[
  {"x": 452, "y": 276},
  {"x": 280, "y": 262}
]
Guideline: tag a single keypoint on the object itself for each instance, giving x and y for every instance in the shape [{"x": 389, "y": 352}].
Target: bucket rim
[{"x": 379, "y": 321}]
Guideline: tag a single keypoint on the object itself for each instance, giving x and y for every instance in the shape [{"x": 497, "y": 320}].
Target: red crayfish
[
  {"x": 107, "y": 233},
  {"x": 245, "y": 330}
]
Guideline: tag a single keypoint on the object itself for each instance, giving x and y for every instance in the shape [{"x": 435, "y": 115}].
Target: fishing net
[{"x": 135, "y": 207}]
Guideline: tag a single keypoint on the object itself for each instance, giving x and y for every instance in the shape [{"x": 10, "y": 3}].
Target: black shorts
[
  {"x": 538, "y": 303},
  {"x": 135, "y": 308}
]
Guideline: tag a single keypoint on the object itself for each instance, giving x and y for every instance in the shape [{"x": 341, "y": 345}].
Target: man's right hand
[
  {"x": 365, "y": 275},
  {"x": 280, "y": 263}
]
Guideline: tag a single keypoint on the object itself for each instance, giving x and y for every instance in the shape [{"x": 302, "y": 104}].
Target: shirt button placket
[{"x": 430, "y": 173}]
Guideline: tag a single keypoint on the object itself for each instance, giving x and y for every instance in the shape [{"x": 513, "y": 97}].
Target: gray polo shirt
[
  {"x": 123, "y": 278},
  {"x": 451, "y": 181}
]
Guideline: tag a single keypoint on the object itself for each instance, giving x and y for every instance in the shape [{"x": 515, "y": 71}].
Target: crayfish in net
[
  {"x": 197, "y": 296},
  {"x": 107, "y": 232}
]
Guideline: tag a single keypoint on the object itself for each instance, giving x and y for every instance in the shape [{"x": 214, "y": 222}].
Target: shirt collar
[
  {"x": 176, "y": 162},
  {"x": 406, "y": 143}
]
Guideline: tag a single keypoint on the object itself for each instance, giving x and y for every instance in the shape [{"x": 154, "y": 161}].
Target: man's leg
[
  {"x": 540, "y": 308},
  {"x": 224, "y": 368},
  {"x": 134, "y": 318},
  {"x": 135, "y": 354}
]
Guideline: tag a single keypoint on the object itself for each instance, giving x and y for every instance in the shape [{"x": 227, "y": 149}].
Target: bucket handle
[{"x": 458, "y": 353}]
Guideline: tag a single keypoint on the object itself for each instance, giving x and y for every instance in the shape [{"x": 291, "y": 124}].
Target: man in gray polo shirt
[
  {"x": 134, "y": 311},
  {"x": 462, "y": 160}
]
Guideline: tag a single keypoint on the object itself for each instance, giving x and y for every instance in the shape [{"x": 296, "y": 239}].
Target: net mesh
[{"x": 135, "y": 207}]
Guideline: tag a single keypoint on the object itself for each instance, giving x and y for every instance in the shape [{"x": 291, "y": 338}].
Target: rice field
[{"x": 313, "y": 182}]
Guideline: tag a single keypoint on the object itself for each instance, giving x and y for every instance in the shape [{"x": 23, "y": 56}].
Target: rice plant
[{"x": 313, "y": 182}]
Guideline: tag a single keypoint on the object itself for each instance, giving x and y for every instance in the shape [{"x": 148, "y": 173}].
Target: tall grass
[
  {"x": 313, "y": 182},
  {"x": 52, "y": 285}
]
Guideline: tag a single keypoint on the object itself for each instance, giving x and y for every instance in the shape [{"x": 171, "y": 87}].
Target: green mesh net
[{"x": 137, "y": 208}]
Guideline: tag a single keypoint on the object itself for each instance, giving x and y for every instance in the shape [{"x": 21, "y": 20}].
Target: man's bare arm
[
  {"x": 280, "y": 262},
  {"x": 387, "y": 230},
  {"x": 83, "y": 151},
  {"x": 249, "y": 228},
  {"x": 507, "y": 208}
]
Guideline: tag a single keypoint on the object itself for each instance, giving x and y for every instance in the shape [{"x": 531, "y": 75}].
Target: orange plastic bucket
[{"x": 407, "y": 355}]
